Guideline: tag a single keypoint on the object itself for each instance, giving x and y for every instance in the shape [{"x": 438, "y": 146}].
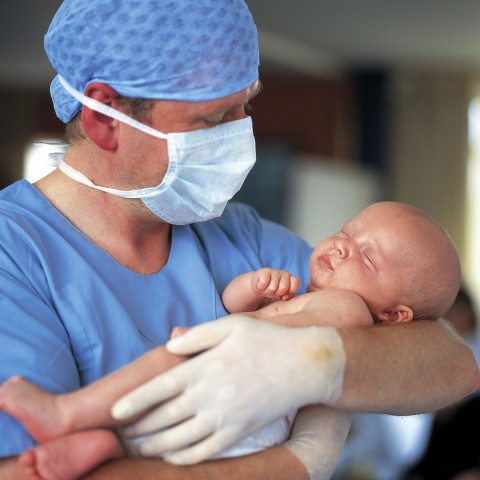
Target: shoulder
[
  {"x": 20, "y": 199},
  {"x": 25, "y": 212},
  {"x": 347, "y": 307}
]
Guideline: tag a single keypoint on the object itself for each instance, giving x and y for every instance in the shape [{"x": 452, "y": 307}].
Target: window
[
  {"x": 37, "y": 163},
  {"x": 471, "y": 267}
]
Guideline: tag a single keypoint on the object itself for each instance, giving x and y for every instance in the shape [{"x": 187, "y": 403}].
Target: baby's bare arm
[
  {"x": 328, "y": 307},
  {"x": 338, "y": 308},
  {"x": 254, "y": 290},
  {"x": 90, "y": 406}
]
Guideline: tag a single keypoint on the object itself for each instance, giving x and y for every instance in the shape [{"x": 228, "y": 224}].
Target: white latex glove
[
  {"x": 251, "y": 373},
  {"x": 317, "y": 439}
]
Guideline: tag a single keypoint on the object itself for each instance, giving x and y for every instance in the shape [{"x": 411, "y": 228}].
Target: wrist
[{"x": 325, "y": 364}]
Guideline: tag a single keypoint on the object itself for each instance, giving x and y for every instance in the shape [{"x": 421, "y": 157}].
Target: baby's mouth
[{"x": 325, "y": 262}]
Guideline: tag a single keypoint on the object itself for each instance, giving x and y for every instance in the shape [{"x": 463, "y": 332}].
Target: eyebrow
[{"x": 257, "y": 89}]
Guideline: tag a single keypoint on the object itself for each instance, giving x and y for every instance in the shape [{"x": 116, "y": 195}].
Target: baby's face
[{"x": 369, "y": 256}]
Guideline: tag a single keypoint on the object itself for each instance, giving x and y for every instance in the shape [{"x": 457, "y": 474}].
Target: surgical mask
[{"x": 206, "y": 167}]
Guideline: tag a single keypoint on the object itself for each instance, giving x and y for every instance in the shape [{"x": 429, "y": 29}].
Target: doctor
[{"x": 130, "y": 237}]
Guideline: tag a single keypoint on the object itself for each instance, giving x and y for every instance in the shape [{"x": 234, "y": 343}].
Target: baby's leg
[
  {"x": 36, "y": 409},
  {"x": 48, "y": 416},
  {"x": 71, "y": 456}
]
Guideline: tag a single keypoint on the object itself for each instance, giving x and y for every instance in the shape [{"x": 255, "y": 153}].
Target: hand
[
  {"x": 251, "y": 373},
  {"x": 277, "y": 284}
]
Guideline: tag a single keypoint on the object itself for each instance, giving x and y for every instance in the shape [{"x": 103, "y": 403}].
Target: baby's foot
[
  {"x": 72, "y": 456},
  {"x": 35, "y": 408}
]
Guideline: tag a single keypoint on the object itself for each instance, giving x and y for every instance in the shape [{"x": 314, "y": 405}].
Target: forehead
[
  {"x": 389, "y": 216},
  {"x": 371, "y": 219},
  {"x": 391, "y": 228},
  {"x": 236, "y": 99},
  {"x": 187, "y": 111}
]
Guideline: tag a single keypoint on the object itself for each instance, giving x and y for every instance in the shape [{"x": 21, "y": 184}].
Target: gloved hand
[
  {"x": 317, "y": 439},
  {"x": 250, "y": 373}
]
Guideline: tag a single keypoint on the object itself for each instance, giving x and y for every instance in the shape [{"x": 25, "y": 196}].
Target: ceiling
[{"x": 312, "y": 36}]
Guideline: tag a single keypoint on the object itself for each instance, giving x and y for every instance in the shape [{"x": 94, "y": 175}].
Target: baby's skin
[
  {"x": 75, "y": 430},
  {"x": 37, "y": 410}
]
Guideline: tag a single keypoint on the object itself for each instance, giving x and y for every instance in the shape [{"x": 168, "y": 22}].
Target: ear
[
  {"x": 398, "y": 314},
  {"x": 100, "y": 128}
]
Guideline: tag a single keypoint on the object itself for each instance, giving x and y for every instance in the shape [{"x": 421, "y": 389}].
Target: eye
[
  {"x": 212, "y": 121},
  {"x": 368, "y": 259}
]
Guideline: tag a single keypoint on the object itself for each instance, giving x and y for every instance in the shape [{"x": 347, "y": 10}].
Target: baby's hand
[{"x": 277, "y": 284}]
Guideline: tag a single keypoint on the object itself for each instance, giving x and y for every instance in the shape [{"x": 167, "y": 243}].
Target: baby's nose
[{"x": 342, "y": 249}]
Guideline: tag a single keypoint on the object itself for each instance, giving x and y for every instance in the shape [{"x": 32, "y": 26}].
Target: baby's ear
[{"x": 398, "y": 314}]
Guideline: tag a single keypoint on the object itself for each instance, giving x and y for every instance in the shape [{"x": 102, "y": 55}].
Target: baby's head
[{"x": 400, "y": 261}]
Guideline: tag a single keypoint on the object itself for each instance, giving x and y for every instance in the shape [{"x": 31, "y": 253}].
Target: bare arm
[
  {"x": 272, "y": 464},
  {"x": 11, "y": 470},
  {"x": 317, "y": 439},
  {"x": 399, "y": 369},
  {"x": 404, "y": 369},
  {"x": 253, "y": 290}
]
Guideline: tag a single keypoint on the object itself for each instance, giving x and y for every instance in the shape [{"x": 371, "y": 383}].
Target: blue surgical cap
[{"x": 188, "y": 50}]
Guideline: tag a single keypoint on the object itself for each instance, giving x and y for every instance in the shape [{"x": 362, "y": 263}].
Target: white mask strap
[
  {"x": 55, "y": 158},
  {"x": 109, "y": 111},
  {"x": 81, "y": 178}
]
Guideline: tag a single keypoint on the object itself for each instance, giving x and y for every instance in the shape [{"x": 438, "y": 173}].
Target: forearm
[
  {"x": 239, "y": 296},
  {"x": 400, "y": 369},
  {"x": 272, "y": 464},
  {"x": 406, "y": 369},
  {"x": 11, "y": 470},
  {"x": 317, "y": 439}
]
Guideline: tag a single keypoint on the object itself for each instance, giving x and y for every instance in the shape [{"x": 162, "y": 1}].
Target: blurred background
[{"x": 363, "y": 100}]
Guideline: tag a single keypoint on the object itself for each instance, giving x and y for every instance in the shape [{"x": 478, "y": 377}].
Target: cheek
[
  {"x": 351, "y": 276},
  {"x": 320, "y": 249},
  {"x": 155, "y": 159}
]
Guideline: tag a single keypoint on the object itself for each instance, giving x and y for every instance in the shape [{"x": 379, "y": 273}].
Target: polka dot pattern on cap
[{"x": 189, "y": 50}]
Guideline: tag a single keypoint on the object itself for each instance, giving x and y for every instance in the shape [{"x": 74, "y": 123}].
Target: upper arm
[
  {"x": 338, "y": 308},
  {"x": 238, "y": 294}
]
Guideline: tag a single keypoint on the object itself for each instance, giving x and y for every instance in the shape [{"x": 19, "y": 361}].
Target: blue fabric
[
  {"x": 69, "y": 313},
  {"x": 190, "y": 50}
]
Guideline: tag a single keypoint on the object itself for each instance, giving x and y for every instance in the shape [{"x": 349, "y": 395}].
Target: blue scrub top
[{"x": 70, "y": 313}]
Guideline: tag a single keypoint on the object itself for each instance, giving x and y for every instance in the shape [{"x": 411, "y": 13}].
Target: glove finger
[
  {"x": 149, "y": 394},
  {"x": 201, "y": 337},
  {"x": 171, "y": 413},
  {"x": 205, "y": 449},
  {"x": 188, "y": 432}
]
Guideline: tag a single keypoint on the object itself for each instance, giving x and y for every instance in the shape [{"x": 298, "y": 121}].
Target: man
[{"x": 101, "y": 258}]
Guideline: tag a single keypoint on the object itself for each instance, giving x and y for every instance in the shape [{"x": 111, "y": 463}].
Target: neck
[{"x": 123, "y": 228}]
